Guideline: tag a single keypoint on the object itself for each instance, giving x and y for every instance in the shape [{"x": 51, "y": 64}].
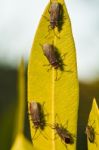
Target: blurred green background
[
  {"x": 8, "y": 105},
  {"x": 18, "y": 24}
]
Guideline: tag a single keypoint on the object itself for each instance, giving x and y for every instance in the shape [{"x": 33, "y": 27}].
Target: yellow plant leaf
[
  {"x": 21, "y": 143},
  {"x": 94, "y": 122},
  {"x": 21, "y": 97},
  {"x": 60, "y": 96}
]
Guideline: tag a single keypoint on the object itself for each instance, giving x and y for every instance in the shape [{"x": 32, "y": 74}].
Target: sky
[{"x": 19, "y": 20}]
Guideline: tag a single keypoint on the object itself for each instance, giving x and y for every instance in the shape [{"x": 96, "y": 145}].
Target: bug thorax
[{"x": 47, "y": 47}]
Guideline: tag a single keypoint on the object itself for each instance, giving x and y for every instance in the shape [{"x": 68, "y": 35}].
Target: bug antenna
[
  {"x": 43, "y": 135},
  {"x": 56, "y": 75},
  {"x": 34, "y": 134},
  {"x": 50, "y": 125}
]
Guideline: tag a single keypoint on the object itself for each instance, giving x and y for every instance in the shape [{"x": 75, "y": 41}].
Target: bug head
[{"x": 69, "y": 140}]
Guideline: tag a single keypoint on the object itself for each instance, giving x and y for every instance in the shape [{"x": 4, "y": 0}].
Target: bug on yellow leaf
[
  {"x": 54, "y": 57},
  {"x": 37, "y": 116},
  {"x": 90, "y": 133},
  {"x": 64, "y": 134},
  {"x": 67, "y": 138},
  {"x": 56, "y": 16}
]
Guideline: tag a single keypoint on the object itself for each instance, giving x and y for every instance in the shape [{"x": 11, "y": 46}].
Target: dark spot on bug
[{"x": 64, "y": 134}]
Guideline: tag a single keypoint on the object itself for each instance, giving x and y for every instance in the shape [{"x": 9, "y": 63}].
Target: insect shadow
[
  {"x": 91, "y": 133},
  {"x": 55, "y": 59},
  {"x": 67, "y": 138},
  {"x": 38, "y": 118},
  {"x": 56, "y": 17}
]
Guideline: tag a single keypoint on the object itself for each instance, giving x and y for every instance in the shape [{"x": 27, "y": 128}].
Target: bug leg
[
  {"x": 43, "y": 135},
  {"x": 55, "y": 136},
  {"x": 96, "y": 143},
  {"x": 91, "y": 123},
  {"x": 33, "y": 138},
  {"x": 56, "y": 75},
  {"x": 57, "y": 78},
  {"x": 56, "y": 35},
  {"x": 46, "y": 65},
  {"x": 96, "y": 133},
  {"x": 68, "y": 71},
  {"x": 64, "y": 17},
  {"x": 41, "y": 45},
  {"x": 46, "y": 18},
  {"x": 66, "y": 124},
  {"x": 64, "y": 144},
  {"x": 49, "y": 29},
  {"x": 57, "y": 117},
  {"x": 63, "y": 56},
  {"x": 49, "y": 69}
]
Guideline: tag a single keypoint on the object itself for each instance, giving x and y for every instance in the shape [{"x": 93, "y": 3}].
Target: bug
[
  {"x": 64, "y": 134},
  {"x": 49, "y": 52},
  {"x": 90, "y": 133},
  {"x": 55, "y": 12},
  {"x": 37, "y": 116},
  {"x": 55, "y": 16},
  {"x": 54, "y": 57},
  {"x": 67, "y": 138}
]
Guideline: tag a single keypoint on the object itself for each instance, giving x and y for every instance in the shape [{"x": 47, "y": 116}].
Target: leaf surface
[
  {"x": 21, "y": 143},
  {"x": 94, "y": 122},
  {"x": 60, "y": 96}
]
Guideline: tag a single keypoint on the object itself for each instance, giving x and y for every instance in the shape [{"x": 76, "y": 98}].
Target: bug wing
[
  {"x": 51, "y": 55},
  {"x": 54, "y": 12},
  {"x": 34, "y": 111}
]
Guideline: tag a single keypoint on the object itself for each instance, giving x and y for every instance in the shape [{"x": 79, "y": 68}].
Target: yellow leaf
[
  {"x": 60, "y": 96},
  {"x": 94, "y": 122},
  {"x": 21, "y": 143},
  {"x": 21, "y": 97}
]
